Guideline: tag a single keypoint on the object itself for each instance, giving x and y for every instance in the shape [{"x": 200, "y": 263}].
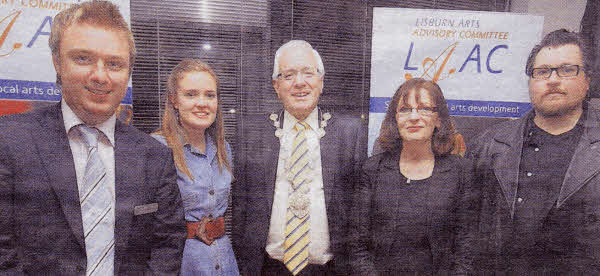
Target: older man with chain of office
[{"x": 291, "y": 204}]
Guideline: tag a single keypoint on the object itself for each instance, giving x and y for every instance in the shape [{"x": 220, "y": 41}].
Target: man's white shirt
[{"x": 319, "y": 231}]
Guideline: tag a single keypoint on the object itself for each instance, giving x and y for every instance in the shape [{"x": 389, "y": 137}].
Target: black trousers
[{"x": 276, "y": 267}]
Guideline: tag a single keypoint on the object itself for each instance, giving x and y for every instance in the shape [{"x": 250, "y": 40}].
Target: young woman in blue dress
[{"x": 192, "y": 127}]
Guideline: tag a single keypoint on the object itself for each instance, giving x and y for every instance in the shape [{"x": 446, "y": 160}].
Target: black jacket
[{"x": 384, "y": 242}]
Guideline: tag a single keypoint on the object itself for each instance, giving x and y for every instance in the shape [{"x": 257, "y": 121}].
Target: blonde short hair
[{"x": 96, "y": 13}]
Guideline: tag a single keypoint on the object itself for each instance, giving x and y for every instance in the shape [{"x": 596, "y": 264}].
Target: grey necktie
[{"x": 96, "y": 209}]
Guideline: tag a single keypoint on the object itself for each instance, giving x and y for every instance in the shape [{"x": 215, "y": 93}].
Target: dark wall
[
  {"x": 242, "y": 53},
  {"x": 341, "y": 32}
]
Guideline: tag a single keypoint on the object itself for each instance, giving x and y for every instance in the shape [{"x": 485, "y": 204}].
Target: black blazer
[
  {"x": 342, "y": 149},
  {"x": 41, "y": 228},
  {"x": 573, "y": 247},
  {"x": 377, "y": 246}
]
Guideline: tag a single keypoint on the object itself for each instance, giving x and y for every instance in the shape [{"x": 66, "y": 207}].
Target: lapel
[
  {"x": 442, "y": 166},
  {"x": 508, "y": 148},
  {"x": 271, "y": 158},
  {"x": 584, "y": 163},
  {"x": 55, "y": 153},
  {"x": 328, "y": 145},
  {"x": 129, "y": 177},
  {"x": 389, "y": 176}
]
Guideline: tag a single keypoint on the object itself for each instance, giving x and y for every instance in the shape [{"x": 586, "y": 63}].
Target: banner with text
[
  {"x": 477, "y": 58},
  {"x": 27, "y": 77}
]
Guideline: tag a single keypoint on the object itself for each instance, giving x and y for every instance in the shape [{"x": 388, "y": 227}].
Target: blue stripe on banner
[
  {"x": 488, "y": 108},
  {"x": 379, "y": 104},
  {"x": 38, "y": 91},
  {"x": 467, "y": 108}
]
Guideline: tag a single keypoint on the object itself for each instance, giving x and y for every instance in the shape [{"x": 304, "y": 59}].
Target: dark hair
[
  {"x": 443, "y": 137},
  {"x": 559, "y": 38}
]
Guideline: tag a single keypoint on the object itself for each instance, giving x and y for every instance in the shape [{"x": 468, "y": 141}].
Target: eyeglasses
[
  {"x": 307, "y": 73},
  {"x": 563, "y": 71},
  {"x": 423, "y": 111}
]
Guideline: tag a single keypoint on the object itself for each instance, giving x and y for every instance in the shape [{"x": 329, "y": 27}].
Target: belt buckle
[{"x": 201, "y": 231}]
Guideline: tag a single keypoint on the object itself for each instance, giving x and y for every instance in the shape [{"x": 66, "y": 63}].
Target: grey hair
[{"x": 296, "y": 44}]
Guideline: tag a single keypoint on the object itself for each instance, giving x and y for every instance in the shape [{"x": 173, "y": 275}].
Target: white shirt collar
[
  {"x": 70, "y": 119},
  {"x": 289, "y": 121}
]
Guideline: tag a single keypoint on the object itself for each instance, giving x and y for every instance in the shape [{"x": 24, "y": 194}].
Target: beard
[{"x": 547, "y": 108}]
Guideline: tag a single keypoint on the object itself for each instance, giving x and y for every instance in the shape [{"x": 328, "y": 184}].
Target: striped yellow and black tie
[{"x": 297, "y": 238}]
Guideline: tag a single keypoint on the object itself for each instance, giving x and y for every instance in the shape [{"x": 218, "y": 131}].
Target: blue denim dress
[{"x": 206, "y": 195}]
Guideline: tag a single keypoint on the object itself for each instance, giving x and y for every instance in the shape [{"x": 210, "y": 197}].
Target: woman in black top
[{"x": 412, "y": 211}]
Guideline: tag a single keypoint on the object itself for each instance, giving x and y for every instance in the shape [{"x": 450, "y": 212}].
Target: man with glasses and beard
[{"x": 540, "y": 198}]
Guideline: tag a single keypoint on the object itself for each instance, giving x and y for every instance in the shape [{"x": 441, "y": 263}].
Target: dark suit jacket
[
  {"x": 41, "y": 228},
  {"x": 574, "y": 245},
  {"x": 342, "y": 149},
  {"x": 385, "y": 243},
  {"x": 590, "y": 30}
]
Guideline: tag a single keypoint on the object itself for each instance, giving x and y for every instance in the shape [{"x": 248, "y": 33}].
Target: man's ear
[{"x": 56, "y": 62}]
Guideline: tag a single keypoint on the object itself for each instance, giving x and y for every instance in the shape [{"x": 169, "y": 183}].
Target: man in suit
[
  {"x": 291, "y": 202},
  {"x": 540, "y": 208},
  {"x": 81, "y": 192}
]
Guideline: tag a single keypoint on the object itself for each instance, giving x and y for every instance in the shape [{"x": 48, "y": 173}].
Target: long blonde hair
[{"x": 172, "y": 129}]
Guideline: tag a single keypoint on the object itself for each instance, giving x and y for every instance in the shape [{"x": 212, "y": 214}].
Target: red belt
[{"x": 207, "y": 229}]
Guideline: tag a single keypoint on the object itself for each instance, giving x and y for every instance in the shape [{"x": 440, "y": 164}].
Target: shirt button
[
  {"x": 536, "y": 149},
  {"x": 211, "y": 192},
  {"x": 519, "y": 200},
  {"x": 217, "y": 267},
  {"x": 529, "y": 174}
]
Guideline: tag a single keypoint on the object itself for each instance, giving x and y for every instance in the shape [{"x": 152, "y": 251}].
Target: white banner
[
  {"x": 27, "y": 73},
  {"x": 477, "y": 58}
]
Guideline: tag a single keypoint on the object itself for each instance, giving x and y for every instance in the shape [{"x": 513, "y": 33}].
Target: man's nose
[
  {"x": 554, "y": 76},
  {"x": 299, "y": 79},
  {"x": 99, "y": 73}
]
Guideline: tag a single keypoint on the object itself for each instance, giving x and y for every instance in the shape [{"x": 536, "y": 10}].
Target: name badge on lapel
[{"x": 145, "y": 209}]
